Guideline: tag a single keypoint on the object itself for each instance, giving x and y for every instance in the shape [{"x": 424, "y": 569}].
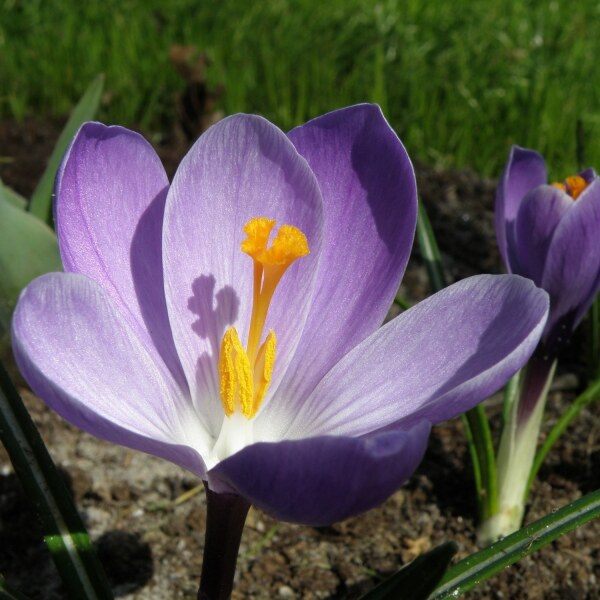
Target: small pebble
[{"x": 285, "y": 591}]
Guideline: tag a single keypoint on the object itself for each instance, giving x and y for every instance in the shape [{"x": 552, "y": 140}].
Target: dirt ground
[{"x": 152, "y": 548}]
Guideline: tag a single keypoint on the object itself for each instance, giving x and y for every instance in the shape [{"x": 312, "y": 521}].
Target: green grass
[{"x": 459, "y": 81}]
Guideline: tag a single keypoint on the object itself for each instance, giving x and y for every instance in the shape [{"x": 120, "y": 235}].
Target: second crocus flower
[{"x": 550, "y": 234}]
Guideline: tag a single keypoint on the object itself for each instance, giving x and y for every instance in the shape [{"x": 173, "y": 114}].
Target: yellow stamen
[
  {"x": 245, "y": 375},
  {"x": 235, "y": 376},
  {"x": 573, "y": 186},
  {"x": 263, "y": 369}
]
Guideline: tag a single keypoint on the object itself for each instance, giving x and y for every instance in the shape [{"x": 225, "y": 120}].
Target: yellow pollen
[
  {"x": 235, "y": 376},
  {"x": 573, "y": 186},
  {"x": 245, "y": 375}
]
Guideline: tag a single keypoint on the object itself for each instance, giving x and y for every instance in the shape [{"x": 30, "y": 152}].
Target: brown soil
[{"x": 152, "y": 549}]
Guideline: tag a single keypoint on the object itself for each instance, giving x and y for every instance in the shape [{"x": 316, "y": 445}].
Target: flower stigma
[
  {"x": 245, "y": 373},
  {"x": 573, "y": 185}
]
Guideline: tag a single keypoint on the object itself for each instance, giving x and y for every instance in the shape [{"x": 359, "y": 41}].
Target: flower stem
[
  {"x": 225, "y": 518},
  {"x": 517, "y": 448}
]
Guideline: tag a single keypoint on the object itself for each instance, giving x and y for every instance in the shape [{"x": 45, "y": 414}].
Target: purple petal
[
  {"x": 369, "y": 200},
  {"x": 572, "y": 274},
  {"x": 241, "y": 168},
  {"x": 110, "y": 195},
  {"x": 432, "y": 362},
  {"x": 82, "y": 358},
  {"x": 539, "y": 214},
  {"x": 321, "y": 480},
  {"x": 588, "y": 174},
  {"x": 524, "y": 170}
]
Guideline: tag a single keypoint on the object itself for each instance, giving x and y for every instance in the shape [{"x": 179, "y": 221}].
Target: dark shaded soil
[{"x": 151, "y": 543}]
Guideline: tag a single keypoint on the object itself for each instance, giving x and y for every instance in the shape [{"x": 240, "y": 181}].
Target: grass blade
[
  {"x": 64, "y": 532},
  {"x": 41, "y": 200},
  {"x": 477, "y": 567}
]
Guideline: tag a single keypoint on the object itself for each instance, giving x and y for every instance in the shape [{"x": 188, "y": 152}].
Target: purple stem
[
  {"x": 225, "y": 518},
  {"x": 536, "y": 376}
]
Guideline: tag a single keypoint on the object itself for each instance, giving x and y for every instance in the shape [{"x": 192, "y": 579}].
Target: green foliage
[
  {"x": 460, "y": 82},
  {"x": 64, "y": 532},
  {"x": 28, "y": 248}
]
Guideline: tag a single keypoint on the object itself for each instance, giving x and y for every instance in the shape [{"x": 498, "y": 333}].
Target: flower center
[
  {"x": 573, "y": 185},
  {"x": 245, "y": 374}
]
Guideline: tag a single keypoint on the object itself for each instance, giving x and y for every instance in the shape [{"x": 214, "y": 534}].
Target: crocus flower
[
  {"x": 550, "y": 234},
  {"x": 179, "y": 329}
]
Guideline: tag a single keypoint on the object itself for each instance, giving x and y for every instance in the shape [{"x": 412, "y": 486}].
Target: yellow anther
[
  {"x": 235, "y": 376},
  {"x": 263, "y": 369},
  {"x": 573, "y": 186}
]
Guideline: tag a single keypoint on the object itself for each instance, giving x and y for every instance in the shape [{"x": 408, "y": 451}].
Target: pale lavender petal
[
  {"x": 241, "y": 168},
  {"x": 524, "y": 170},
  {"x": 370, "y": 203},
  {"x": 80, "y": 356},
  {"x": 572, "y": 274},
  {"x": 432, "y": 362},
  {"x": 539, "y": 214},
  {"x": 110, "y": 196},
  {"x": 321, "y": 480}
]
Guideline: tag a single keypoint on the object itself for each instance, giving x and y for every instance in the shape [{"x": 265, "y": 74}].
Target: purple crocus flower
[
  {"x": 322, "y": 414},
  {"x": 551, "y": 233}
]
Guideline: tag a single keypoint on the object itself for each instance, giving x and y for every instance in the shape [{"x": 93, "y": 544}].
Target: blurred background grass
[{"x": 458, "y": 81}]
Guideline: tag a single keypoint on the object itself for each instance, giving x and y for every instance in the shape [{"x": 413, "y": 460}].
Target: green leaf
[
  {"x": 477, "y": 567},
  {"x": 41, "y": 200},
  {"x": 28, "y": 248},
  {"x": 429, "y": 250},
  {"x": 64, "y": 532},
  {"x": 13, "y": 197},
  {"x": 418, "y": 579}
]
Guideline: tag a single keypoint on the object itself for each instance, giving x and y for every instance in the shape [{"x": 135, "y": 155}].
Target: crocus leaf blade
[
  {"x": 64, "y": 531},
  {"x": 13, "y": 197},
  {"x": 430, "y": 250},
  {"x": 85, "y": 110},
  {"x": 28, "y": 248},
  {"x": 477, "y": 567},
  {"x": 418, "y": 579}
]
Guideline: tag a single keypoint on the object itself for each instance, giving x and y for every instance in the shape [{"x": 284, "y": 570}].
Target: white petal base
[{"x": 236, "y": 433}]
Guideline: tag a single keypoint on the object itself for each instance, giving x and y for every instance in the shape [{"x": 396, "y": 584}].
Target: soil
[{"x": 151, "y": 545}]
